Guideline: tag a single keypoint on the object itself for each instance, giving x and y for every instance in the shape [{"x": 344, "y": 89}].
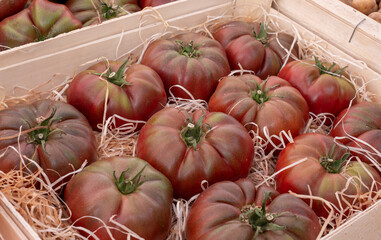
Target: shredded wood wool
[{"x": 41, "y": 207}]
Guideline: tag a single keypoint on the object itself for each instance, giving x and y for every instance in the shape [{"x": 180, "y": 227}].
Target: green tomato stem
[
  {"x": 262, "y": 36},
  {"x": 332, "y": 165},
  {"x": 127, "y": 186},
  {"x": 40, "y": 135},
  {"x": 189, "y": 50},
  {"x": 192, "y": 132},
  {"x": 259, "y": 219},
  {"x": 117, "y": 77},
  {"x": 325, "y": 70}
]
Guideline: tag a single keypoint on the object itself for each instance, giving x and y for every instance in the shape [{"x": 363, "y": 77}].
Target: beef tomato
[
  {"x": 41, "y": 20},
  {"x": 325, "y": 87},
  {"x": 134, "y": 92},
  {"x": 362, "y": 121},
  {"x": 273, "y": 103},
  {"x": 324, "y": 171},
  {"x": 91, "y": 12},
  {"x": 52, "y": 134},
  {"x": 236, "y": 210},
  {"x": 10, "y": 7},
  {"x": 191, "y": 148},
  {"x": 131, "y": 191},
  {"x": 249, "y": 45},
  {"x": 190, "y": 60}
]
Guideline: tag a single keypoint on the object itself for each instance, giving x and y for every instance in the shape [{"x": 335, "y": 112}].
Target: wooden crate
[
  {"x": 68, "y": 61},
  {"x": 335, "y": 22}
]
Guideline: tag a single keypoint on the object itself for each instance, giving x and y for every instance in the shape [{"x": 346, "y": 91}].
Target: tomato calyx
[
  {"x": 108, "y": 11},
  {"x": 192, "y": 132},
  {"x": 127, "y": 186},
  {"x": 117, "y": 77},
  {"x": 189, "y": 50},
  {"x": 324, "y": 70},
  {"x": 259, "y": 219},
  {"x": 262, "y": 35},
  {"x": 43, "y": 130},
  {"x": 40, "y": 37},
  {"x": 260, "y": 95},
  {"x": 332, "y": 165}
]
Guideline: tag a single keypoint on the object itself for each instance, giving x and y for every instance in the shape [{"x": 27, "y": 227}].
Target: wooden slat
[{"x": 335, "y": 22}]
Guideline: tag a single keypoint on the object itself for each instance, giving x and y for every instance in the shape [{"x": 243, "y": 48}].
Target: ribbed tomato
[
  {"x": 236, "y": 210},
  {"x": 52, "y": 134},
  {"x": 250, "y": 45},
  {"x": 41, "y": 20},
  {"x": 273, "y": 103},
  {"x": 190, "y": 60},
  {"x": 190, "y": 148},
  {"x": 127, "y": 189},
  {"x": 134, "y": 92},
  {"x": 314, "y": 165},
  {"x": 326, "y": 88},
  {"x": 10, "y": 7},
  {"x": 363, "y": 122},
  {"x": 91, "y": 12}
]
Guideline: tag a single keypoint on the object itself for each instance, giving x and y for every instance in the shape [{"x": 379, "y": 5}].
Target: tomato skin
[
  {"x": 285, "y": 110},
  {"x": 146, "y": 211},
  {"x": 362, "y": 121},
  {"x": 10, "y": 7},
  {"x": 324, "y": 93},
  {"x": 49, "y": 18},
  {"x": 84, "y": 9},
  {"x": 223, "y": 153},
  {"x": 314, "y": 146},
  {"x": 216, "y": 214},
  {"x": 65, "y": 150},
  {"x": 199, "y": 75},
  {"x": 138, "y": 101},
  {"x": 153, "y": 3},
  {"x": 243, "y": 48}
]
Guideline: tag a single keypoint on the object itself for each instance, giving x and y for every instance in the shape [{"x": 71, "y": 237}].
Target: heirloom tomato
[
  {"x": 41, "y": 20},
  {"x": 134, "y": 92},
  {"x": 127, "y": 189},
  {"x": 153, "y": 3},
  {"x": 96, "y": 11},
  {"x": 272, "y": 103},
  {"x": 10, "y": 7},
  {"x": 190, "y": 60},
  {"x": 236, "y": 210},
  {"x": 190, "y": 148},
  {"x": 325, "y": 88},
  {"x": 362, "y": 121},
  {"x": 249, "y": 45},
  {"x": 52, "y": 134},
  {"x": 314, "y": 165}
]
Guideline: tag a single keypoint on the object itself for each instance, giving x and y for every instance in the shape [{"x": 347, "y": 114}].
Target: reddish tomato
[
  {"x": 41, "y": 20},
  {"x": 58, "y": 138},
  {"x": 153, "y": 3},
  {"x": 324, "y": 88},
  {"x": 191, "y": 60},
  {"x": 191, "y": 148},
  {"x": 91, "y": 12},
  {"x": 324, "y": 171},
  {"x": 135, "y": 93},
  {"x": 10, "y": 7},
  {"x": 273, "y": 103},
  {"x": 236, "y": 210},
  {"x": 251, "y": 46},
  {"x": 362, "y": 121},
  {"x": 138, "y": 197}
]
